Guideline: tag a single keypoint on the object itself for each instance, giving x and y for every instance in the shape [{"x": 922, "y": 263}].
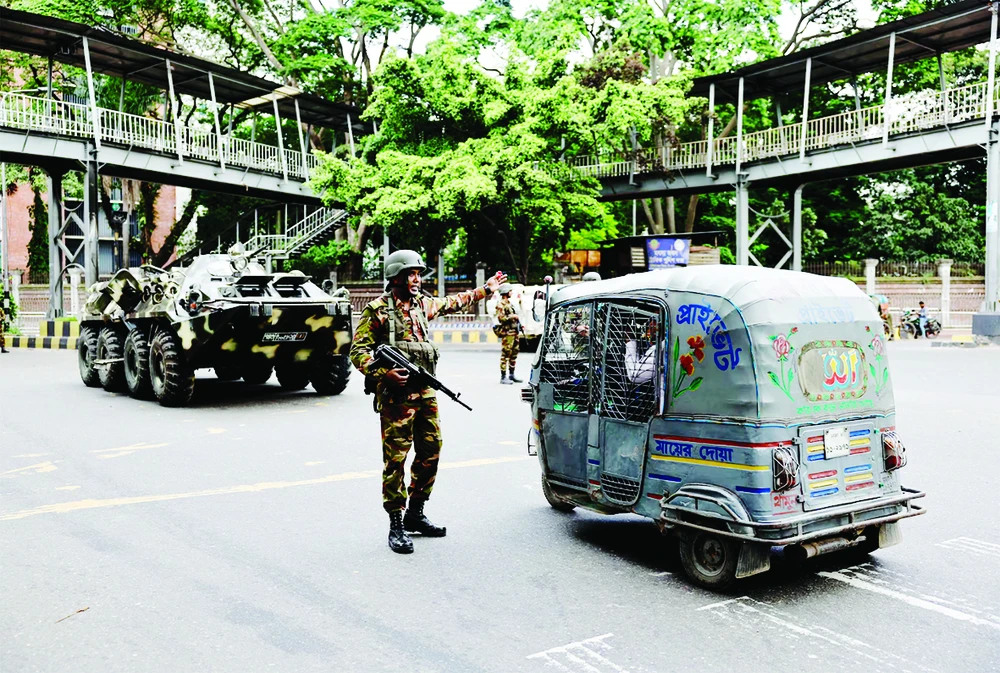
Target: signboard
[{"x": 666, "y": 253}]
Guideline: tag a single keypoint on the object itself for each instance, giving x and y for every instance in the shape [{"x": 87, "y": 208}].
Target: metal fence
[
  {"x": 908, "y": 113},
  {"x": 894, "y": 269}
]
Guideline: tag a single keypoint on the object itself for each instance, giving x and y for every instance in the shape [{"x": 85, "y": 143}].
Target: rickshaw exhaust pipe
[{"x": 807, "y": 550}]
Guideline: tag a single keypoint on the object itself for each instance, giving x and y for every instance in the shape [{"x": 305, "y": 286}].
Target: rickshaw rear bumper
[{"x": 794, "y": 530}]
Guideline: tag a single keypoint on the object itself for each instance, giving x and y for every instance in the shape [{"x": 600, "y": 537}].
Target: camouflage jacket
[
  {"x": 507, "y": 317},
  {"x": 373, "y": 327}
]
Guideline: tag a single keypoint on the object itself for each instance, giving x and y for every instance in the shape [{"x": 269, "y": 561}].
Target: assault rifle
[{"x": 420, "y": 376}]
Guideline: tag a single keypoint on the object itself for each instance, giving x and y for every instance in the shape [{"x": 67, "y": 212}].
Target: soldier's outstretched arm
[
  {"x": 456, "y": 302},
  {"x": 363, "y": 345}
]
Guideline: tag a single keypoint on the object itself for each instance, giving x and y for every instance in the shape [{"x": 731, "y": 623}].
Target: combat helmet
[
  {"x": 505, "y": 288},
  {"x": 401, "y": 260}
]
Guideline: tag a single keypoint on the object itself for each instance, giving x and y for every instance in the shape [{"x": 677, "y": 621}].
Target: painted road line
[
  {"x": 37, "y": 468},
  {"x": 78, "y": 505},
  {"x": 838, "y": 650},
  {"x": 972, "y": 545},
  {"x": 858, "y": 583},
  {"x": 580, "y": 656},
  {"x": 126, "y": 450}
]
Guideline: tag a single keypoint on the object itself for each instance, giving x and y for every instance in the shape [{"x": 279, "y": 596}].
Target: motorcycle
[{"x": 911, "y": 325}]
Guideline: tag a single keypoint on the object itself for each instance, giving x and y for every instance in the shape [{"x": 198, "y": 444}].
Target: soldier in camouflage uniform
[
  {"x": 510, "y": 325},
  {"x": 409, "y": 414}
]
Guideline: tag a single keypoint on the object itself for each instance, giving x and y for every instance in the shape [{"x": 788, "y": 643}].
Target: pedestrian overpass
[
  {"x": 41, "y": 128},
  {"x": 956, "y": 122}
]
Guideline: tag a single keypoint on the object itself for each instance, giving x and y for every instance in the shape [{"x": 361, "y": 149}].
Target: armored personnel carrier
[{"x": 148, "y": 329}]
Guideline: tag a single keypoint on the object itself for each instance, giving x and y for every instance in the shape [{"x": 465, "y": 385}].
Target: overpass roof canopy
[
  {"x": 948, "y": 28},
  {"x": 112, "y": 54}
]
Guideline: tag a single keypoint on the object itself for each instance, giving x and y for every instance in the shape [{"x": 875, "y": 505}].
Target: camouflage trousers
[
  {"x": 3, "y": 339},
  {"x": 411, "y": 422},
  {"x": 509, "y": 348}
]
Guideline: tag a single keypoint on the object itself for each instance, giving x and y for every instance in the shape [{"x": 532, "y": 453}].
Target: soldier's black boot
[
  {"x": 504, "y": 380},
  {"x": 514, "y": 379},
  {"x": 416, "y": 521},
  {"x": 399, "y": 541}
]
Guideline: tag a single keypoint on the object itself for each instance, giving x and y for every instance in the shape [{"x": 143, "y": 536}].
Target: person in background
[
  {"x": 922, "y": 319},
  {"x": 510, "y": 325}
]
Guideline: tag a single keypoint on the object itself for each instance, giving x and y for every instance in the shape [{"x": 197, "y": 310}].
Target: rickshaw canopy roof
[{"x": 743, "y": 286}]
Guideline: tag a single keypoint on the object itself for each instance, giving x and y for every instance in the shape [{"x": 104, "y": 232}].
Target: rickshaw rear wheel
[
  {"x": 709, "y": 559},
  {"x": 555, "y": 501}
]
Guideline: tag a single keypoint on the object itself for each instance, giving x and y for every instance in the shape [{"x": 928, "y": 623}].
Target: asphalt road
[{"x": 246, "y": 533}]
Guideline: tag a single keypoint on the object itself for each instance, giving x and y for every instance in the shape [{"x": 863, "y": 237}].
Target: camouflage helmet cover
[
  {"x": 506, "y": 288},
  {"x": 403, "y": 260}
]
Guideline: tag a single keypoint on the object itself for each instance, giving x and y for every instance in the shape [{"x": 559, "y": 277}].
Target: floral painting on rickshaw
[
  {"x": 881, "y": 378},
  {"x": 684, "y": 365},
  {"x": 782, "y": 351}
]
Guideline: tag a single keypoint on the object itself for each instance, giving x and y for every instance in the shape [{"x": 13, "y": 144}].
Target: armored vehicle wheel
[
  {"x": 171, "y": 378},
  {"x": 109, "y": 347},
  {"x": 292, "y": 377},
  {"x": 137, "y": 365},
  {"x": 227, "y": 373},
  {"x": 86, "y": 353},
  {"x": 256, "y": 374},
  {"x": 330, "y": 374},
  {"x": 555, "y": 501},
  {"x": 709, "y": 559}
]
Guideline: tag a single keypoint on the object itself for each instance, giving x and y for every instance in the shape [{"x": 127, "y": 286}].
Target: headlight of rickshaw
[
  {"x": 785, "y": 468},
  {"x": 893, "y": 451}
]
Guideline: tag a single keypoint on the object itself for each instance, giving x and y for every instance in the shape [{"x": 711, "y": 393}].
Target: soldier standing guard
[
  {"x": 510, "y": 325},
  {"x": 409, "y": 414}
]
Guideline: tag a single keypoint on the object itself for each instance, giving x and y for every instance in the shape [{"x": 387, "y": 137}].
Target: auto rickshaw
[{"x": 739, "y": 408}]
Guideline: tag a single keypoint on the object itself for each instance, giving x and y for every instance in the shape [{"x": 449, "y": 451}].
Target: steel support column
[
  {"x": 739, "y": 129},
  {"x": 55, "y": 254},
  {"x": 886, "y": 107},
  {"x": 281, "y": 141},
  {"x": 992, "y": 180},
  {"x": 805, "y": 110},
  {"x": 218, "y": 127},
  {"x": 91, "y": 208},
  {"x": 94, "y": 112},
  {"x": 709, "y": 150},
  {"x": 302, "y": 140},
  {"x": 440, "y": 273},
  {"x": 742, "y": 221},
  {"x": 178, "y": 133},
  {"x": 797, "y": 229}
]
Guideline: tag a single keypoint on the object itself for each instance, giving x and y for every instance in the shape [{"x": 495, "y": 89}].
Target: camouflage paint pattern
[
  {"x": 509, "y": 345},
  {"x": 225, "y": 324},
  {"x": 408, "y": 415}
]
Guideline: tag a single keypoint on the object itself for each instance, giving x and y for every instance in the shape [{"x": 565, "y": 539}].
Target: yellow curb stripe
[{"x": 712, "y": 463}]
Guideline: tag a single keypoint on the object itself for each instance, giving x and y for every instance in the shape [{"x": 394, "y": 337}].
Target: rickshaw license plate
[{"x": 837, "y": 442}]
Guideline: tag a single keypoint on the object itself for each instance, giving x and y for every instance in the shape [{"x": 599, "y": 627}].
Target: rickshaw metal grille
[
  {"x": 620, "y": 490},
  {"x": 628, "y": 368},
  {"x": 566, "y": 358}
]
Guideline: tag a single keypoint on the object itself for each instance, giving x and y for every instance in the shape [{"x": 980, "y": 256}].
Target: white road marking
[
  {"x": 968, "y": 544},
  {"x": 838, "y": 649},
  {"x": 910, "y": 600},
  {"x": 565, "y": 657}
]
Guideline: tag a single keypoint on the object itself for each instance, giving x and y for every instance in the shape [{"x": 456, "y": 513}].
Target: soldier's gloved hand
[
  {"x": 398, "y": 377},
  {"x": 495, "y": 281}
]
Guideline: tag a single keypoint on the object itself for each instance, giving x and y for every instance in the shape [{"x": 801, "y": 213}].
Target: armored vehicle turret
[{"x": 146, "y": 330}]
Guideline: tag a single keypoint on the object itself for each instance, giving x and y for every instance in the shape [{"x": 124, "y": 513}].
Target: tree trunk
[
  {"x": 671, "y": 216},
  {"x": 691, "y": 213},
  {"x": 658, "y": 212},
  {"x": 176, "y": 231}
]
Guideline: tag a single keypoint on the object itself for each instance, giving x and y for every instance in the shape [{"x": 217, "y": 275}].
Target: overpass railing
[
  {"x": 906, "y": 114},
  {"x": 54, "y": 117}
]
